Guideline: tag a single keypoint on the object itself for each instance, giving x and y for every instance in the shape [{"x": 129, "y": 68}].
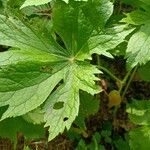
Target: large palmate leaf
[{"x": 39, "y": 69}]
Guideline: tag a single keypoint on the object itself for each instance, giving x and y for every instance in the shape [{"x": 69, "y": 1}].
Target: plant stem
[
  {"x": 124, "y": 80},
  {"x": 129, "y": 81},
  {"x": 110, "y": 74},
  {"x": 95, "y": 143},
  {"x": 80, "y": 131}
]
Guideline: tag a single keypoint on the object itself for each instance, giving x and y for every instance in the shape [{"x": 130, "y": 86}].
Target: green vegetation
[{"x": 57, "y": 72}]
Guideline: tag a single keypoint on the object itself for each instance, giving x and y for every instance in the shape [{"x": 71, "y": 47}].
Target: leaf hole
[
  {"x": 55, "y": 88},
  {"x": 60, "y": 41},
  {"x": 46, "y": 69},
  {"x": 65, "y": 119},
  {"x": 58, "y": 105}
]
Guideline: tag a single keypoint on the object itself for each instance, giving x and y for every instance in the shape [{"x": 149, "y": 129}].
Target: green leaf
[
  {"x": 89, "y": 105},
  {"x": 144, "y": 72},
  {"x": 59, "y": 119},
  {"x": 139, "y": 112},
  {"x": 34, "y": 2},
  {"x": 17, "y": 33},
  {"x": 10, "y": 127},
  {"x": 68, "y": 95},
  {"x": 98, "y": 12},
  {"x": 41, "y": 70},
  {"x": 26, "y": 68},
  {"x": 81, "y": 145},
  {"x": 137, "y": 17},
  {"x": 28, "y": 73},
  {"x": 121, "y": 144},
  {"x": 71, "y": 16},
  {"x": 36, "y": 116},
  {"x": 105, "y": 41},
  {"x": 33, "y": 96},
  {"x": 140, "y": 138},
  {"x": 138, "y": 49},
  {"x": 146, "y": 1},
  {"x": 41, "y": 2}
]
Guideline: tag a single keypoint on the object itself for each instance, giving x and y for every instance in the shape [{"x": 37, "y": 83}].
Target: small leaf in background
[
  {"x": 138, "y": 49},
  {"x": 121, "y": 144},
  {"x": 139, "y": 139},
  {"x": 81, "y": 145},
  {"x": 10, "y": 127},
  {"x": 137, "y": 17},
  {"x": 144, "y": 72},
  {"x": 89, "y": 105},
  {"x": 120, "y": 50},
  {"x": 139, "y": 112},
  {"x": 107, "y": 40},
  {"x": 95, "y": 143},
  {"x": 106, "y": 133}
]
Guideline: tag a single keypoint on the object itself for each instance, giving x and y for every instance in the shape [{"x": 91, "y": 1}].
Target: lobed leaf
[
  {"x": 105, "y": 41},
  {"x": 68, "y": 96},
  {"x": 24, "y": 68},
  {"x": 140, "y": 138},
  {"x": 98, "y": 12},
  {"x": 39, "y": 70},
  {"x": 139, "y": 112},
  {"x": 24, "y": 100},
  {"x": 17, "y": 33},
  {"x": 138, "y": 49}
]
